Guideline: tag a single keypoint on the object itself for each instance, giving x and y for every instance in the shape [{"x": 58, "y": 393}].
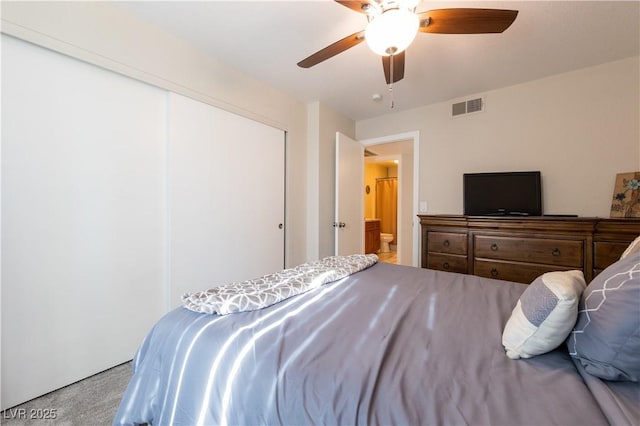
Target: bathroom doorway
[{"x": 402, "y": 151}]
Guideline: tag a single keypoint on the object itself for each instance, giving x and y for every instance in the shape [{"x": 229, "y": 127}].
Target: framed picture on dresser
[{"x": 626, "y": 195}]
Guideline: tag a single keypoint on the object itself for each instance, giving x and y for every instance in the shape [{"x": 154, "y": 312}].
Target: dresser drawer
[
  {"x": 606, "y": 253},
  {"x": 519, "y": 272},
  {"x": 447, "y": 262},
  {"x": 447, "y": 242},
  {"x": 531, "y": 250}
]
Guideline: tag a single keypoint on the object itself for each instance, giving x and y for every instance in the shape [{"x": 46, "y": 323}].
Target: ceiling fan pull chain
[{"x": 391, "y": 80}]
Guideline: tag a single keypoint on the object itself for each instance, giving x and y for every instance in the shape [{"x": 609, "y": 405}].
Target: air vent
[
  {"x": 459, "y": 108},
  {"x": 474, "y": 105},
  {"x": 466, "y": 107}
]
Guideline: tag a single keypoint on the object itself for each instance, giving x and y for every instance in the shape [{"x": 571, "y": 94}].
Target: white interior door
[{"x": 349, "y": 219}]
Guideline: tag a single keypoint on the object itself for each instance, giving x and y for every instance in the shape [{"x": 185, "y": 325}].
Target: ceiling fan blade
[
  {"x": 358, "y": 6},
  {"x": 466, "y": 21},
  {"x": 332, "y": 50},
  {"x": 398, "y": 67}
]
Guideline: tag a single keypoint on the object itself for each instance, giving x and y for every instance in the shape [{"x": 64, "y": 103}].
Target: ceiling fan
[{"x": 393, "y": 24}]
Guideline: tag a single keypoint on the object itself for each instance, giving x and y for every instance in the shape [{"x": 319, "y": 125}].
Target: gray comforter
[{"x": 390, "y": 345}]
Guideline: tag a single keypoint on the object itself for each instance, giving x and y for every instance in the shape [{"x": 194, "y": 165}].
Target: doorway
[
  {"x": 403, "y": 148},
  {"x": 381, "y": 201}
]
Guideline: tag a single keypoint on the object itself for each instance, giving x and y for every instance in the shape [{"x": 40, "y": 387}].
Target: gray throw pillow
[{"x": 606, "y": 338}]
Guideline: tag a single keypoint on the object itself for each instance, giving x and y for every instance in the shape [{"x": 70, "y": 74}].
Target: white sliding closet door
[
  {"x": 226, "y": 177},
  {"x": 83, "y": 224}
]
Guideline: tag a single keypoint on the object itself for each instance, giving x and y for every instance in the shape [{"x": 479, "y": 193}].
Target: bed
[{"x": 392, "y": 345}]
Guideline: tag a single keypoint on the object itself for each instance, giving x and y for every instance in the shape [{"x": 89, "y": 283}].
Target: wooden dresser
[{"x": 520, "y": 249}]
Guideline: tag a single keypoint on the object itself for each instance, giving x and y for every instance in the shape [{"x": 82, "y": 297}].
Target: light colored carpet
[{"x": 92, "y": 401}]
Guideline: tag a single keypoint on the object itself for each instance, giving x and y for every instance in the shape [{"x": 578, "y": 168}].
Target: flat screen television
[{"x": 502, "y": 194}]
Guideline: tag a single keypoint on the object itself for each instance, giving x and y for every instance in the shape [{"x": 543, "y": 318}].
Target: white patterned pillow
[{"x": 544, "y": 315}]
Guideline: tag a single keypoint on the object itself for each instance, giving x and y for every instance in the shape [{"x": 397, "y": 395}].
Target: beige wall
[
  {"x": 101, "y": 34},
  {"x": 579, "y": 129}
]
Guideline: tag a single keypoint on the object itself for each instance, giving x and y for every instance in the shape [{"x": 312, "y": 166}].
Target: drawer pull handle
[
  {"x": 445, "y": 243},
  {"x": 445, "y": 265},
  {"x": 494, "y": 247},
  {"x": 494, "y": 272},
  {"x": 555, "y": 252}
]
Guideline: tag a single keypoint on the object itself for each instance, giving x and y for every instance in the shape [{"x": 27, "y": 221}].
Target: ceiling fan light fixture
[{"x": 392, "y": 31}]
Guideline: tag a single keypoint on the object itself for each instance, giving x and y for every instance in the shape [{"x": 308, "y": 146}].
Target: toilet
[{"x": 385, "y": 239}]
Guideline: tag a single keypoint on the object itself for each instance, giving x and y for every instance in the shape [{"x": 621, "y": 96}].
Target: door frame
[{"x": 415, "y": 138}]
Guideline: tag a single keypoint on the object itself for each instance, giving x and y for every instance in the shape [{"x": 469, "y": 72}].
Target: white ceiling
[{"x": 266, "y": 39}]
